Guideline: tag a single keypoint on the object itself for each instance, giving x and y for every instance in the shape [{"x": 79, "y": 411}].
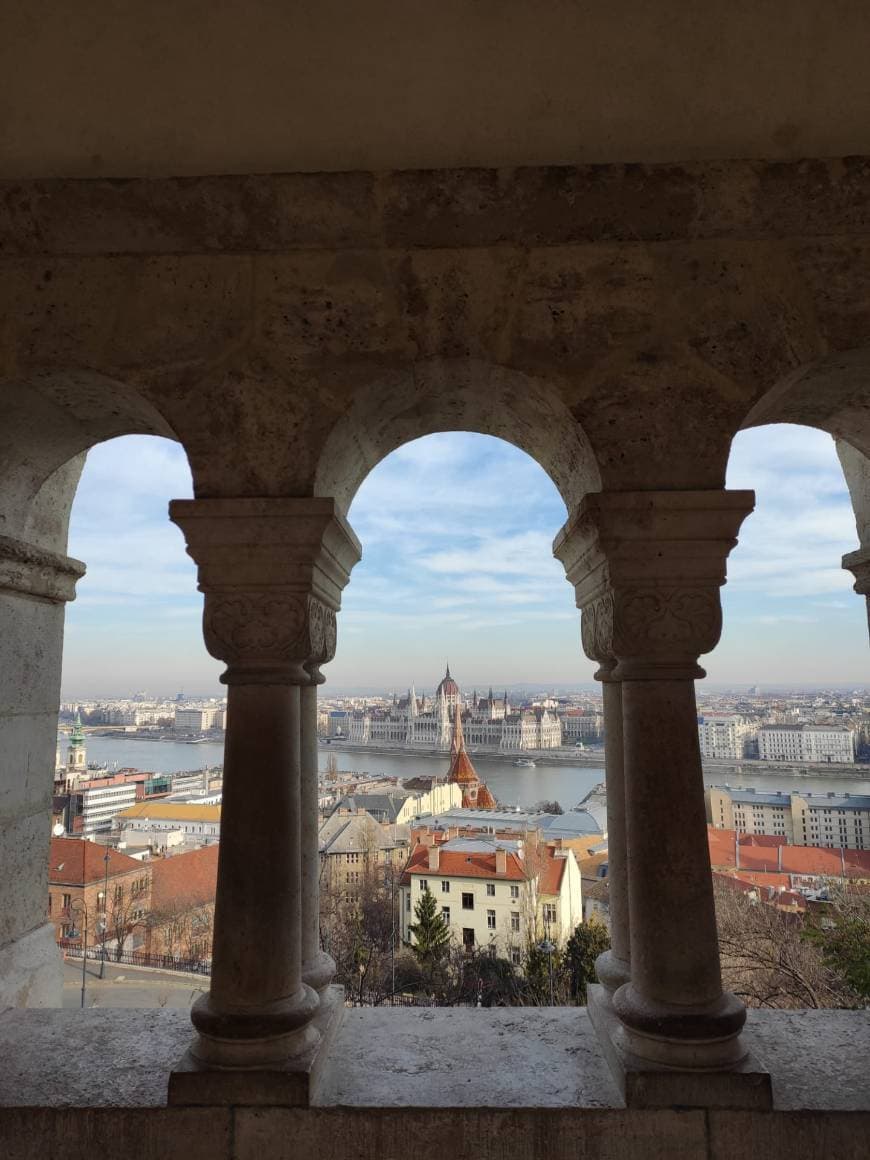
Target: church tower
[
  {"x": 475, "y": 795},
  {"x": 76, "y": 756}
]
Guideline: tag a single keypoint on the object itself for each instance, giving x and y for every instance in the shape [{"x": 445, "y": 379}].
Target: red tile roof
[
  {"x": 459, "y": 864},
  {"x": 184, "y": 880},
  {"x": 550, "y": 880},
  {"x": 74, "y": 862},
  {"x": 758, "y": 852}
]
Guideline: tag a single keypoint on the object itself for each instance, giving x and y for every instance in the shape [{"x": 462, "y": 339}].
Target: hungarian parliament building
[{"x": 487, "y": 722}]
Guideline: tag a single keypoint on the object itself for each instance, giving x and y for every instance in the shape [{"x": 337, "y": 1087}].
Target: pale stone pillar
[
  {"x": 614, "y": 966},
  {"x": 34, "y": 587},
  {"x": 272, "y": 571},
  {"x": 858, "y": 563},
  {"x": 572, "y": 547},
  {"x": 647, "y": 567}
]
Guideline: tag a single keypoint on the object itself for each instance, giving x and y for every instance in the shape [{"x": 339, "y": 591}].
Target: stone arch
[
  {"x": 831, "y": 393},
  {"x": 461, "y": 395},
  {"x": 47, "y": 424}
]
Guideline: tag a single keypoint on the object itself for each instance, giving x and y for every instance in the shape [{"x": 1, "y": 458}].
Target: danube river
[{"x": 512, "y": 785}]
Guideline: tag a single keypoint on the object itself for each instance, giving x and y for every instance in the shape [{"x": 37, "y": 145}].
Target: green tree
[
  {"x": 589, "y": 940},
  {"x": 431, "y": 936},
  {"x": 843, "y": 937}
]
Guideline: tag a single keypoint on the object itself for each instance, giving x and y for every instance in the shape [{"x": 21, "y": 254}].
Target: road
[{"x": 128, "y": 987}]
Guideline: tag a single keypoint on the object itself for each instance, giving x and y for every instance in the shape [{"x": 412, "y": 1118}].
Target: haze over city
[{"x": 473, "y": 579}]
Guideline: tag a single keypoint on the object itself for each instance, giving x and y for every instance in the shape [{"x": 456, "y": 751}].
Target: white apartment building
[
  {"x": 495, "y": 894},
  {"x": 199, "y": 720},
  {"x": 816, "y": 743},
  {"x": 841, "y": 821},
  {"x": 95, "y": 804},
  {"x": 723, "y": 735},
  {"x": 153, "y": 822}
]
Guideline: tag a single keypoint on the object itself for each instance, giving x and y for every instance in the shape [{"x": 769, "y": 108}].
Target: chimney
[
  {"x": 500, "y": 860},
  {"x": 434, "y": 857},
  {"x": 779, "y": 858},
  {"x": 427, "y": 838}
]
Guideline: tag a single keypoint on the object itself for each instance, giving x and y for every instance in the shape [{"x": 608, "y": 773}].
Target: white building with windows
[
  {"x": 816, "y": 743},
  {"x": 487, "y": 722},
  {"x": 493, "y": 894},
  {"x": 723, "y": 735},
  {"x": 841, "y": 821}
]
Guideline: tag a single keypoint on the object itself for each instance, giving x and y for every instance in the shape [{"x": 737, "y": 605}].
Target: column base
[
  {"x": 319, "y": 972},
  {"x": 647, "y": 1084},
  {"x": 291, "y": 1083}
]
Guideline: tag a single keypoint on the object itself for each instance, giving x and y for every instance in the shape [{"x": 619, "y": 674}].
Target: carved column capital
[
  {"x": 272, "y": 572},
  {"x": 38, "y": 572},
  {"x": 646, "y": 569},
  {"x": 858, "y": 563}
]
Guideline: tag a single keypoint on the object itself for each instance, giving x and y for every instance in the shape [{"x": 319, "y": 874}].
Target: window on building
[
  {"x": 468, "y": 938},
  {"x": 408, "y": 901},
  {"x": 67, "y": 901},
  {"x": 490, "y": 920},
  {"x": 549, "y": 912},
  {"x": 516, "y": 956},
  {"x": 467, "y": 901},
  {"x": 424, "y": 883},
  {"x": 445, "y": 914},
  {"x": 490, "y": 889},
  {"x": 445, "y": 886},
  {"x": 515, "y": 920},
  {"x": 515, "y": 891}
]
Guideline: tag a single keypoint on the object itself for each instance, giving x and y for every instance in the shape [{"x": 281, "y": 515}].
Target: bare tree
[{"x": 767, "y": 959}]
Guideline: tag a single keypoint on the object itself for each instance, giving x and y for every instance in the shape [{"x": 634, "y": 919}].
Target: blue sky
[{"x": 457, "y": 532}]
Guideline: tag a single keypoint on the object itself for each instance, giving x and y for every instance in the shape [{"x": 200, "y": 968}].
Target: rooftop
[
  {"x": 171, "y": 811},
  {"x": 74, "y": 862}
]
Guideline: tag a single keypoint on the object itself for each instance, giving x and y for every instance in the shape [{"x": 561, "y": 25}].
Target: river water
[{"x": 512, "y": 785}]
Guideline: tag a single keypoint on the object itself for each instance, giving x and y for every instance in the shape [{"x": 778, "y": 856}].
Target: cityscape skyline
[{"x": 474, "y": 579}]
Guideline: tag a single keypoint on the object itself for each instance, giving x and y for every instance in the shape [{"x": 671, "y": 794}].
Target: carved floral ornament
[
  {"x": 654, "y": 625},
  {"x": 267, "y": 636}
]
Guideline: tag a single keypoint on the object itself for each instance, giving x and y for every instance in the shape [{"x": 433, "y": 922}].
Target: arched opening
[
  {"x": 457, "y": 569},
  {"x": 783, "y": 723},
  {"x": 49, "y": 423},
  {"x": 141, "y": 739}
]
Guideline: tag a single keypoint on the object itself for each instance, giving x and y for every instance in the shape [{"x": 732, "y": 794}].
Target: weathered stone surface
[
  {"x": 31, "y": 972},
  {"x": 784, "y": 1135},
  {"x": 89, "y": 1059},
  {"x": 469, "y": 1132},
  {"x": 24, "y": 844},
  {"x": 32, "y": 635},
  {"x": 546, "y": 1057},
  {"x": 140, "y": 1134}
]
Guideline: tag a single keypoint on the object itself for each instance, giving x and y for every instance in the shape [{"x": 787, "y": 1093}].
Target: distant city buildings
[
  {"x": 804, "y": 819},
  {"x": 489, "y": 722},
  {"x": 724, "y": 736},
  {"x": 816, "y": 743}
]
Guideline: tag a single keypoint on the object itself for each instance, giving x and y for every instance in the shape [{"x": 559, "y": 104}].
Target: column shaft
[
  {"x": 257, "y": 994},
  {"x": 675, "y": 952},
  {"x": 614, "y": 966},
  {"x": 318, "y": 968}
]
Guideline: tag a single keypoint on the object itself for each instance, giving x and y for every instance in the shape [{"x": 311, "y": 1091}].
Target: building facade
[
  {"x": 488, "y": 722},
  {"x": 494, "y": 895},
  {"x": 841, "y": 821},
  {"x": 723, "y": 735},
  {"x": 816, "y": 743}
]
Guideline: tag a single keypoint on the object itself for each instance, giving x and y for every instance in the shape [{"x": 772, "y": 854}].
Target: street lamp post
[
  {"x": 80, "y": 907},
  {"x": 548, "y": 947}
]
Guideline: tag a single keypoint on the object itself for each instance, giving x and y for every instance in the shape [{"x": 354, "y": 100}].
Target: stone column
[
  {"x": 648, "y": 568},
  {"x": 572, "y": 547},
  {"x": 34, "y": 587},
  {"x": 858, "y": 563},
  {"x": 272, "y": 571}
]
